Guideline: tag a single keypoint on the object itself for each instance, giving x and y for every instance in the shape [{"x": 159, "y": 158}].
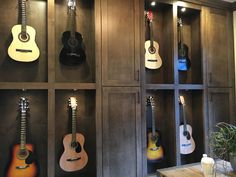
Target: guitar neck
[
  {"x": 184, "y": 118},
  {"x": 23, "y": 16},
  {"x": 74, "y": 115},
  {"x": 72, "y": 22},
  {"x": 23, "y": 130},
  {"x": 151, "y": 33},
  {"x": 153, "y": 122},
  {"x": 181, "y": 34}
]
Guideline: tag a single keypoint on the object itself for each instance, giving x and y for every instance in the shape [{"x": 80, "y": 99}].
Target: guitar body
[
  {"x": 22, "y": 168},
  {"x": 72, "y": 52},
  {"x": 73, "y": 159},
  {"x": 154, "y": 149},
  {"x": 183, "y": 59},
  {"x": 23, "y": 50},
  {"x": 187, "y": 144},
  {"x": 152, "y": 57}
]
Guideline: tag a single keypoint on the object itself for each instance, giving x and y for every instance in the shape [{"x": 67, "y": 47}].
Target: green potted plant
[{"x": 223, "y": 143}]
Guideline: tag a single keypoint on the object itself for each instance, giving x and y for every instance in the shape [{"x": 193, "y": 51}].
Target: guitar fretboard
[
  {"x": 23, "y": 130},
  {"x": 72, "y": 22},
  {"x": 23, "y": 17},
  {"x": 74, "y": 111}
]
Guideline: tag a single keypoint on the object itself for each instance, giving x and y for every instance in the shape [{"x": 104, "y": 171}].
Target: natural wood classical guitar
[
  {"x": 154, "y": 148},
  {"x": 23, "y": 48},
  {"x": 73, "y": 52},
  {"x": 74, "y": 156},
  {"x": 187, "y": 144},
  {"x": 23, "y": 161},
  {"x": 152, "y": 57}
]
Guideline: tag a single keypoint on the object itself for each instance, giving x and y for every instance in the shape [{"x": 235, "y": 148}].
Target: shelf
[{"x": 85, "y": 86}]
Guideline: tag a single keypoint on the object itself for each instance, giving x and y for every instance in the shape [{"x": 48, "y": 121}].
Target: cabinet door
[
  {"x": 221, "y": 104},
  {"x": 219, "y": 48},
  {"x": 120, "y": 42},
  {"x": 121, "y": 132}
]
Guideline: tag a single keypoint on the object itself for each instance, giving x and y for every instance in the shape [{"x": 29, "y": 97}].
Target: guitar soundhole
[
  {"x": 187, "y": 134},
  {"x": 152, "y": 50},
  {"x": 23, "y": 154},
  {"x": 72, "y": 42},
  {"x": 24, "y": 37},
  {"x": 75, "y": 145}
]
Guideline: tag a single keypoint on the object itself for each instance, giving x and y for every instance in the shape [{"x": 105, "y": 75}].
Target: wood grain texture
[
  {"x": 120, "y": 42},
  {"x": 121, "y": 132}
]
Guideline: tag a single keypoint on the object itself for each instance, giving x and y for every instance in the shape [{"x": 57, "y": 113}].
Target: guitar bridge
[
  {"x": 22, "y": 167},
  {"x": 152, "y": 60},
  {"x": 73, "y": 159},
  {"x": 23, "y": 50}
]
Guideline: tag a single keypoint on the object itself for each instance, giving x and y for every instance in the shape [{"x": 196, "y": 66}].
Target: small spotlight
[
  {"x": 153, "y": 3},
  {"x": 183, "y": 9}
]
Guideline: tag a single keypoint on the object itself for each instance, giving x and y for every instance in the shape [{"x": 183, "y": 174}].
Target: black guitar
[
  {"x": 183, "y": 59},
  {"x": 73, "y": 52}
]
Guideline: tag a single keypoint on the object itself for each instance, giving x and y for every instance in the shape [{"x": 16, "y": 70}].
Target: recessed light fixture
[
  {"x": 183, "y": 9},
  {"x": 153, "y": 3}
]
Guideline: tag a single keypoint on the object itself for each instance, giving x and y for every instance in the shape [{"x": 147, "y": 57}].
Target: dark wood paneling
[
  {"x": 85, "y": 24},
  {"x": 120, "y": 42},
  {"x": 221, "y": 106},
  {"x": 85, "y": 126},
  {"x": 219, "y": 48},
  {"x": 122, "y": 153},
  {"x": 10, "y": 70},
  {"x": 37, "y": 126}
]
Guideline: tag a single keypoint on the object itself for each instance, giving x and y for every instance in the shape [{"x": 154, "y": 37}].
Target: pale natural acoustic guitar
[
  {"x": 155, "y": 150},
  {"x": 74, "y": 156},
  {"x": 187, "y": 144},
  {"x": 23, "y": 160},
  {"x": 23, "y": 48},
  {"x": 152, "y": 57}
]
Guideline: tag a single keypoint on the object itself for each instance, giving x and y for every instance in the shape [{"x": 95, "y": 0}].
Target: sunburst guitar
[
  {"x": 23, "y": 161},
  {"x": 23, "y": 48},
  {"x": 152, "y": 57},
  {"x": 74, "y": 157},
  {"x": 154, "y": 148}
]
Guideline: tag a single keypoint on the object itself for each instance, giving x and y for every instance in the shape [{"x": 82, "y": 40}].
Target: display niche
[
  {"x": 189, "y": 46},
  {"x": 162, "y": 111},
  {"x": 14, "y": 71},
  {"x": 193, "y": 111},
  {"x": 163, "y": 34},
  {"x": 85, "y": 125},
  {"x": 36, "y": 127},
  {"x": 84, "y": 22}
]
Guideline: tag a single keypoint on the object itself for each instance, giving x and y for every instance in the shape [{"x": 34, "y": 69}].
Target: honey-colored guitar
[
  {"x": 23, "y": 48},
  {"x": 154, "y": 149},
  {"x": 74, "y": 156},
  {"x": 23, "y": 162}
]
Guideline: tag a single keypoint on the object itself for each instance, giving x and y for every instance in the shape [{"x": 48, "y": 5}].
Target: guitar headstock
[
  {"x": 73, "y": 102},
  {"x": 23, "y": 104},
  {"x": 149, "y": 15},
  {"x": 181, "y": 100},
  {"x": 150, "y": 101},
  {"x": 180, "y": 22},
  {"x": 71, "y": 4}
]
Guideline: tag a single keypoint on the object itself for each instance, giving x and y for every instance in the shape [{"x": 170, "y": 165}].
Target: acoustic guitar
[
  {"x": 154, "y": 147},
  {"x": 23, "y": 48},
  {"x": 187, "y": 144},
  {"x": 23, "y": 161},
  {"x": 73, "y": 51},
  {"x": 183, "y": 59},
  {"x": 74, "y": 156},
  {"x": 152, "y": 57}
]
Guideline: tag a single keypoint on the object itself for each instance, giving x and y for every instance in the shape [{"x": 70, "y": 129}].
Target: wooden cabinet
[
  {"x": 122, "y": 152},
  {"x": 219, "y": 48},
  {"x": 120, "y": 42},
  {"x": 221, "y": 106}
]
